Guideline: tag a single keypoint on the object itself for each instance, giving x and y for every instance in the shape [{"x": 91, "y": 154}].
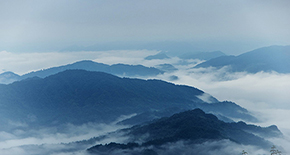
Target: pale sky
[
  {"x": 232, "y": 26},
  {"x": 32, "y": 32}
]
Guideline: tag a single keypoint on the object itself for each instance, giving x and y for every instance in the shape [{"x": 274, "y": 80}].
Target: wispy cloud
[
  {"x": 22, "y": 63},
  {"x": 263, "y": 90},
  {"x": 265, "y": 94},
  {"x": 54, "y": 140}
]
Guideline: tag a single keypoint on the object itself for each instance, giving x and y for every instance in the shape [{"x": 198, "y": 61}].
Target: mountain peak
[
  {"x": 160, "y": 55},
  {"x": 8, "y": 77},
  {"x": 192, "y": 126},
  {"x": 267, "y": 59},
  {"x": 89, "y": 65}
]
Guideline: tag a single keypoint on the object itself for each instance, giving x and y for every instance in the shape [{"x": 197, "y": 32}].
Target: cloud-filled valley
[
  {"x": 58, "y": 139},
  {"x": 266, "y": 90},
  {"x": 270, "y": 90},
  {"x": 144, "y": 77}
]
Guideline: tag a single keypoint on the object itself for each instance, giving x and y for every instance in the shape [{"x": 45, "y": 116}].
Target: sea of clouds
[{"x": 265, "y": 94}]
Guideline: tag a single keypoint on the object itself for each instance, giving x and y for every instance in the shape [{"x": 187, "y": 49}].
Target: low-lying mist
[
  {"x": 265, "y": 94},
  {"x": 225, "y": 147},
  {"x": 53, "y": 140}
]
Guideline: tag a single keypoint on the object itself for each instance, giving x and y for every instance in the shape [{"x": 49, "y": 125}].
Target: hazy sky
[{"x": 233, "y": 26}]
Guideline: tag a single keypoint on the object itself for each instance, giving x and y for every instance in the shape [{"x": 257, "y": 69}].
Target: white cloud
[
  {"x": 22, "y": 63},
  {"x": 205, "y": 97},
  {"x": 265, "y": 94},
  {"x": 263, "y": 90},
  {"x": 55, "y": 135},
  {"x": 57, "y": 140},
  {"x": 133, "y": 57},
  {"x": 51, "y": 140},
  {"x": 225, "y": 147}
]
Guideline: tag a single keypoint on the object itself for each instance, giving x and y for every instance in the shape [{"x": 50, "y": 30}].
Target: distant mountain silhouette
[
  {"x": 8, "y": 77},
  {"x": 160, "y": 55},
  {"x": 267, "y": 59},
  {"x": 78, "y": 96},
  {"x": 202, "y": 55},
  {"x": 166, "y": 67},
  {"x": 115, "y": 69},
  {"x": 192, "y": 126},
  {"x": 223, "y": 110}
]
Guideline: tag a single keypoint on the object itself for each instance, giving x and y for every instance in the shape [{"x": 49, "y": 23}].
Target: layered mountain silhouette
[
  {"x": 194, "y": 127},
  {"x": 78, "y": 96},
  {"x": 188, "y": 55},
  {"x": 9, "y": 77},
  {"x": 166, "y": 67},
  {"x": 267, "y": 59},
  {"x": 160, "y": 55},
  {"x": 116, "y": 69}
]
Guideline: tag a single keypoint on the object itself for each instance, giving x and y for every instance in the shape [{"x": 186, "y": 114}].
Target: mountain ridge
[
  {"x": 79, "y": 96},
  {"x": 115, "y": 69},
  {"x": 267, "y": 59},
  {"x": 192, "y": 126}
]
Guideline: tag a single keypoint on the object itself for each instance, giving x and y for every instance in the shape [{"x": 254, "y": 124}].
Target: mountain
[
  {"x": 193, "y": 126},
  {"x": 196, "y": 124},
  {"x": 160, "y": 55},
  {"x": 223, "y": 110},
  {"x": 79, "y": 96},
  {"x": 267, "y": 59},
  {"x": 8, "y": 77},
  {"x": 166, "y": 67},
  {"x": 115, "y": 69},
  {"x": 202, "y": 55}
]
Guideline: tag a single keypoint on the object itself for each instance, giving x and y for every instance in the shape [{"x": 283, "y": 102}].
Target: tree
[
  {"x": 275, "y": 151},
  {"x": 244, "y": 152}
]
